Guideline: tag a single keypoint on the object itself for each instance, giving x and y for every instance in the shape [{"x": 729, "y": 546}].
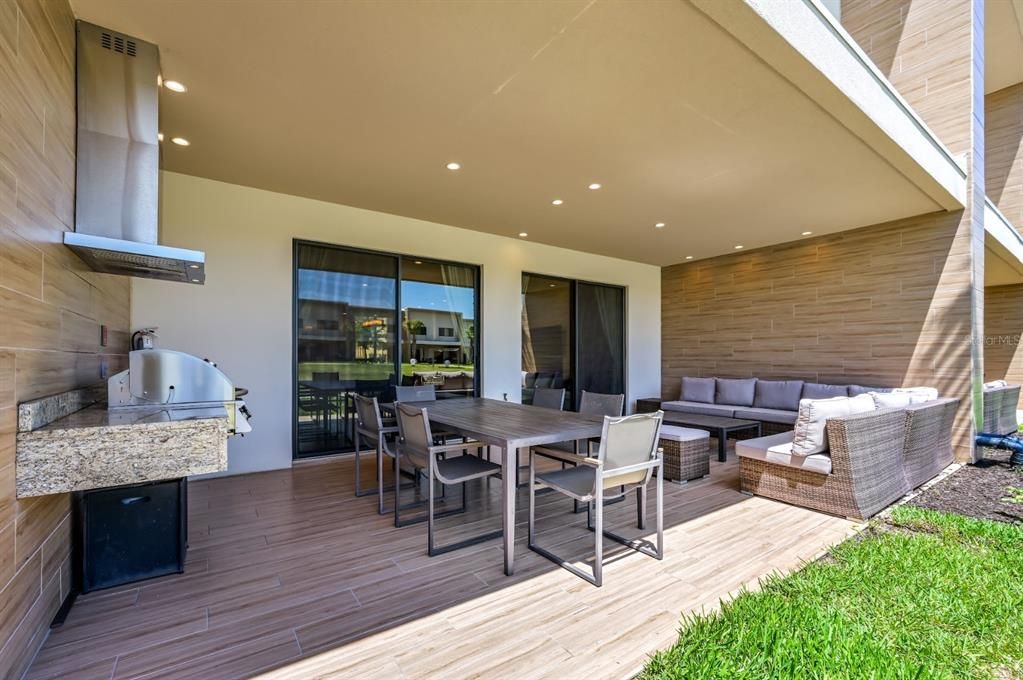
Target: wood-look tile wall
[
  {"x": 51, "y": 307},
  {"x": 1003, "y": 326},
  {"x": 1003, "y": 159},
  {"x": 924, "y": 49},
  {"x": 882, "y": 306}
]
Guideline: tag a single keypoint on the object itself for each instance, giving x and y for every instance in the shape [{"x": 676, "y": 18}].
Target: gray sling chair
[
  {"x": 549, "y": 397},
  {"x": 373, "y": 430},
  {"x": 416, "y": 445},
  {"x": 628, "y": 456},
  {"x": 592, "y": 403}
]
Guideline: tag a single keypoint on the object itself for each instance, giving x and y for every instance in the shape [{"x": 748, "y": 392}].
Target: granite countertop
[
  {"x": 63, "y": 447},
  {"x": 98, "y": 416}
]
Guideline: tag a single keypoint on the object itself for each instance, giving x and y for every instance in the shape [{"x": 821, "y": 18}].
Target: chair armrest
[
  {"x": 638, "y": 467},
  {"x": 557, "y": 454},
  {"x": 467, "y": 444}
]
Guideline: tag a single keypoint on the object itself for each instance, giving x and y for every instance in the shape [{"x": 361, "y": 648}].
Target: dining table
[{"x": 509, "y": 427}]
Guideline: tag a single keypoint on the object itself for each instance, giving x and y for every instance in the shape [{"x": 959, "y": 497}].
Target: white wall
[{"x": 242, "y": 317}]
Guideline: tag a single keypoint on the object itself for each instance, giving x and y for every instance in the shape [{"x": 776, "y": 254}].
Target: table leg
[
  {"x": 722, "y": 445},
  {"x": 509, "y": 475}
]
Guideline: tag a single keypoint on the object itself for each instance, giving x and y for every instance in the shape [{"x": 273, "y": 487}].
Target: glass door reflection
[{"x": 345, "y": 340}]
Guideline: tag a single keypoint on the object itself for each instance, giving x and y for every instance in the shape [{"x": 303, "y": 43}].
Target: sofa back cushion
[
  {"x": 995, "y": 384},
  {"x": 698, "y": 389},
  {"x": 778, "y": 394},
  {"x": 735, "y": 392},
  {"x": 811, "y": 434},
  {"x": 824, "y": 391},
  {"x": 891, "y": 399},
  {"x": 918, "y": 395},
  {"x": 857, "y": 390}
]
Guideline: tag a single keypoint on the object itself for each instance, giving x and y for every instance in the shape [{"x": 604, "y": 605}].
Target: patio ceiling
[{"x": 364, "y": 104}]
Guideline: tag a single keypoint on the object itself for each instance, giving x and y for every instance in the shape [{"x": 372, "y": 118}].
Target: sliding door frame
[{"x": 396, "y": 364}]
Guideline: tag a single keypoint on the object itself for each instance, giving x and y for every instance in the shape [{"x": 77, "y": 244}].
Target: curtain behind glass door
[
  {"x": 600, "y": 329},
  {"x": 345, "y": 340},
  {"x": 547, "y": 335}
]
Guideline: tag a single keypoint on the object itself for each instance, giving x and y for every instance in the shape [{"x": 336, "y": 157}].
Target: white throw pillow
[
  {"x": 861, "y": 403},
  {"x": 918, "y": 395},
  {"x": 891, "y": 399},
  {"x": 810, "y": 435}
]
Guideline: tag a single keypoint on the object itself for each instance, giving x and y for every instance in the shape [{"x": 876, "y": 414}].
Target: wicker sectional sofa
[
  {"x": 874, "y": 459},
  {"x": 774, "y": 403}
]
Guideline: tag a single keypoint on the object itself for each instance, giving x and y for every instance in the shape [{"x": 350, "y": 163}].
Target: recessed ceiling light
[
  {"x": 454, "y": 166},
  {"x": 175, "y": 86},
  {"x": 807, "y": 233},
  {"x": 557, "y": 201},
  {"x": 365, "y": 285},
  {"x": 594, "y": 186},
  {"x": 523, "y": 234},
  {"x": 193, "y": 266},
  {"x": 689, "y": 257},
  {"x": 738, "y": 247},
  {"x": 195, "y": 280},
  {"x": 659, "y": 225},
  {"x": 419, "y": 262},
  {"x": 159, "y": 135},
  {"x": 553, "y": 286},
  {"x": 180, "y": 141}
]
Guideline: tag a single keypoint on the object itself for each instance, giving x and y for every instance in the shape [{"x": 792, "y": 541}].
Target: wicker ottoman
[{"x": 686, "y": 453}]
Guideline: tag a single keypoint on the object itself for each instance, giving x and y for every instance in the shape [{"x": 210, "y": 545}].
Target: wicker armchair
[
  {"x": 928, "y": 448},
  {"x": 867, "y": 469},
  {"x": 1000, "y": 405}
]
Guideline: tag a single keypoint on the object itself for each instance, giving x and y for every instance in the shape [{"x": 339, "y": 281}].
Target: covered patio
[{"x": 289, "y": 574}]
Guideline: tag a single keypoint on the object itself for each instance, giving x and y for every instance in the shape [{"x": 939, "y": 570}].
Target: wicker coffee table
[{"x": 718, "y": 426}]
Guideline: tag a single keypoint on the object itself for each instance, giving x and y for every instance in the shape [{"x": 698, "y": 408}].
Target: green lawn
[
  {"x": 928, "y": 596},
  {"x": 361, "y": 370}
]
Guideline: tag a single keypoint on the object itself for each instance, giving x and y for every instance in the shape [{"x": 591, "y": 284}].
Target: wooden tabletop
[{"x": 510, "y": 425}]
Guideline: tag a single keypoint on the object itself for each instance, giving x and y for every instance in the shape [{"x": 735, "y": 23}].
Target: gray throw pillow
[
  {"x": 698, "y": 389},
  {"x": 823, "y": 391},
  {"x": 857, "y": 390},
  {"x": 735, "y": 392},
  {"x": 778, "y": 394}
]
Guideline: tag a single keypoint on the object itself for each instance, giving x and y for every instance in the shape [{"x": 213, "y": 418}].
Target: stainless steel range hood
[{"x": 117, "y": 201}]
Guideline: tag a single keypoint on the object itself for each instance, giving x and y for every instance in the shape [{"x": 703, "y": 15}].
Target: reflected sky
[{"x": 376, "y": 291}]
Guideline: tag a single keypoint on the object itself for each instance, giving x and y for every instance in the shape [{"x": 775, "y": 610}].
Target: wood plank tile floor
[{"x": 291, "y": 576}]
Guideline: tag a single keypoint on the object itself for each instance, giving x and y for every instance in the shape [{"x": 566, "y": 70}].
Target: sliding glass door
[
  {"x": 573, "y": 336},
  {"x": 367, "y": 321}
]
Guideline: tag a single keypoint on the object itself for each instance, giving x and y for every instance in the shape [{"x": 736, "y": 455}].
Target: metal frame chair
[
  {"x": 416, "y": 443},
  {"x": 369, "y": 425},
  {"x": 627, "y": 457},
  {"x": 549, "y": 397}
]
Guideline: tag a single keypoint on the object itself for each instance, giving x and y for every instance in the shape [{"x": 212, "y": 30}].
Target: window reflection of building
[{"x": 439, "y": 336}]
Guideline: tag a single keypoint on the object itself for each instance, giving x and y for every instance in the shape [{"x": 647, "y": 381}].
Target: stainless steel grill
[{"x": 175, "y": 380}]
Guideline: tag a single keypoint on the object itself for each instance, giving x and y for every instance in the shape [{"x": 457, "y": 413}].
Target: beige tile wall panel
[
  {"x": 885, "y": 305},
  {"x": 1003, "y": 327},
  {"x": 51, "y": 306},
  {"x": 1003, "y": 131}
]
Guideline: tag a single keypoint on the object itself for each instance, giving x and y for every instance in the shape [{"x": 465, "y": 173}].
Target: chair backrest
[
  {"x": 367, "y": 411},
  {"x": 326, "y": 375},
  {"x": 629, "y": 440},
  {"x": 414, "y": 428},
  {"x": 415, "y": 393},
  {"x": 597, "y": 404},
  {"x": 548, "y": 397}
]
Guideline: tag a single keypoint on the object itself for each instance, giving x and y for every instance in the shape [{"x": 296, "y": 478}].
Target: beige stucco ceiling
[
  {"x": 363, "y": 103},
  {"x": 1003, "y": 46}
]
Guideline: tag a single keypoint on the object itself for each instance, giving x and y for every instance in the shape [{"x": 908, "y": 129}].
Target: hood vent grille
[{"x": 118, "y": 43}]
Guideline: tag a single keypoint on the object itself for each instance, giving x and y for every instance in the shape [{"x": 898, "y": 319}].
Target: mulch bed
[{"x": 978, "y": 490}]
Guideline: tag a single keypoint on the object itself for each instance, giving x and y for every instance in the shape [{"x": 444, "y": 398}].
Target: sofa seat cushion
[
  {"x": 777, "y": 448},
  {"x": 698, "y": 408},
  {"x": 778, "y": 394},
  {"x": 675, "y": 433},
  {"x": 735, "y": 392},
  {"x": 767, "y": 415},
  {"x": 824, "y": 391}
]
